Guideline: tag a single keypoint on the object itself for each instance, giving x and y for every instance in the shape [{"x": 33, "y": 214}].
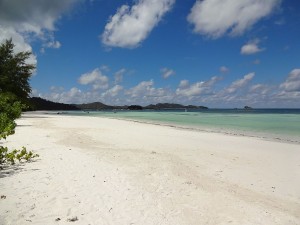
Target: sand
[{"x": 107, "y": 171}]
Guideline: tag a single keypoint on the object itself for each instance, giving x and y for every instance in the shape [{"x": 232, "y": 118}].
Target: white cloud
[
  {"x": 105, "y": 68},
  {"x": 196, "y": 89},
  {"x": 183, "y": 84},
  {"x": 56, "y": 89},
  {"x": 74, "y": 95},
  {"x": 119, "y": 75},
  {"x": 130, "y": 26},
  {"x": 292, "y": 83},
  {"x": 216, "y": 18},
  {"x": 260, "y": 89},
  {"x": 34, "y": 16},
  {"x": 238, "y": 84},
  {"x": 53, "y": 44},
  {"x": 224, "y": 69},
  {"x": 50, "y": 44},
  {"x": 95, "y": 78},
  {"x": 113, "y": 92},
  {"x": 210, "y": 92},
  {"x": 145, "y": 93},
  {"x": 193, "y": 90},
  {"x": 166, "y": 73},
  {"x": 251, "y": 48},
  {"x": 22, "y": 21},
  {"x": 141, "y": 89},
  {"x": 19, "y": 41}
]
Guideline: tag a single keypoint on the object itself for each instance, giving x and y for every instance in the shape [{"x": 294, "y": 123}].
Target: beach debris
[
  {"x": 188, "y": 182},
  {"x": 110, "y": 209},
  {"x": 73, "y": 219},
  {"x": 33, "y": 206},
  {"x": 57, "y": 219},
  {"x": 3, "y": 196},
  {"x": 273, "y": 189},
  {"x": 153, "y": 152}
]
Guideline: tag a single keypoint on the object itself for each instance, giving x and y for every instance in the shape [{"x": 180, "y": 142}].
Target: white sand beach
[{"x": 98, "y": 171}]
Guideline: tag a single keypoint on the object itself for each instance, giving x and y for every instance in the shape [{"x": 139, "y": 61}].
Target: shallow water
[{"x": 280, "y": 124}]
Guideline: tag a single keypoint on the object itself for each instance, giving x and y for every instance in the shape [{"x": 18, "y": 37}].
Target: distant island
[
  {"x": 160, "y": 106},
  {"x": 248, "y": 107},
  {"x": 38, "y": 103}
]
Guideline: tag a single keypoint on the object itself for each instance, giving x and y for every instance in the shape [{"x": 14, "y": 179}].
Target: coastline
[
  {"x": 261, "y": 136},
  {"x": 209, "y": 129},
  {"x": 114, "y": 171}
]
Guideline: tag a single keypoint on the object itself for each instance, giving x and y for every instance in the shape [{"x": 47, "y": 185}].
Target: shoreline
[
  {"x": 226, "y": 131},
  {"x": 108, "y": 171},
  {"x": 217, "y": 131}
]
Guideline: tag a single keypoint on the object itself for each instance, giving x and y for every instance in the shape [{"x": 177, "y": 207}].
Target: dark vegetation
[
  {"x": 37, "y": 103},
  {"x": 135, "y": 107},
  {"x": 94, "y": 106},
  {"x": 42, "y": 104},
  {"x": 247, "y": 107},
  {"x": 14, "y": 93},
  {"x": 160, "y": 106}
]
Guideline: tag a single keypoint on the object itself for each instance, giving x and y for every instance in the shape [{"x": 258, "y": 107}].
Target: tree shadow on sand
[
  {"x": 34, "y": 117},
  {"x": 24, "y": 125},
  {"x": 9, "y": 170}
]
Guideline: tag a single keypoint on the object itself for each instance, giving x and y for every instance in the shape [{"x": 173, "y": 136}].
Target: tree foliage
[
  {"x": 14, "y": 71},
  {"x": 14, "y": 90},
  {"x": 10, "y": 109}
]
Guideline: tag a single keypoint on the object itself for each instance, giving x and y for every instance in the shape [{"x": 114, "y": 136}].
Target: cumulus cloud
[
  {"x": 113, "y": 92},
  {"x": 192, "y": 90},
  {"x": 260, "y": 89},
  {"x": 130, "y": 26},
  {"x": 142, "y": 89},
  {"x": 239, "y": 93},
  {"x": 20, "y": 42},
  {"x": 50, "y": 44},
  {"x": 53, "y": 44},
  {"x": 34, "y": 16},
  {"x": 196, "y": 89},
  {"x": 21, "y": 21},
  {"x": 251, "y": 48},
  {"x": 224, "y": 69},
  {"x": 241, "y": 83},
  {"x": 216, "y": 18},
  {"x": 94, "y": 78},
  {"x": 145, "y": 93},
  {"x": 74, "y": 95},
  {"x": 119, "y": 75},
  {"x": 292, "y": 83},
  {"x": 183, "y": 84},
  {"x": 166, "y": 73}
]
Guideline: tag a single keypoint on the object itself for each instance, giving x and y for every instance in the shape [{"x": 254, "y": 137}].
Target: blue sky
[{"x": 217, "y": 53}]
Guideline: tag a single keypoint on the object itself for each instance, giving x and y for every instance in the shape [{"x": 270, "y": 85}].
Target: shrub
[
  {"x": 14, "y": 90},
  {"x": 23, "y": 155}
]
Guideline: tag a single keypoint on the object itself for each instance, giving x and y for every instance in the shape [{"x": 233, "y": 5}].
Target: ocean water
[{"x": 278, "y": 124}]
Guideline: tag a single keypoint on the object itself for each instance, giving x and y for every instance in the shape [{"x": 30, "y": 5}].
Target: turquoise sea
[{"x": 279, "y": 124}]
